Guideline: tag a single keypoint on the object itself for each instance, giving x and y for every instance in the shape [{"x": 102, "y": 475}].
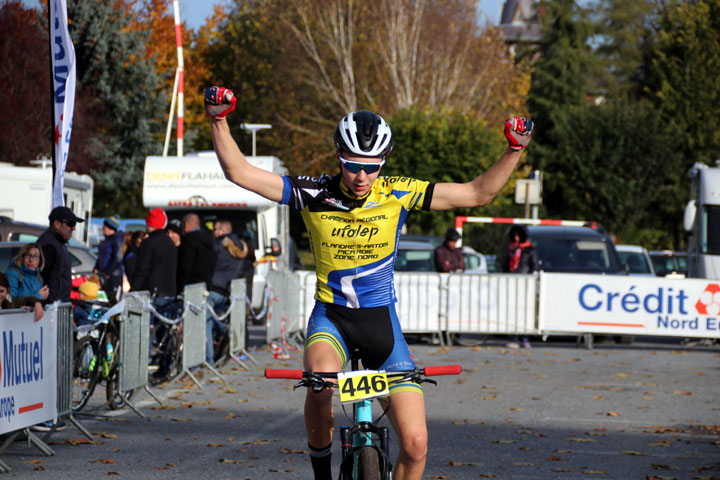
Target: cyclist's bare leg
[
  {"x": 407, "y": 415},
  {"x": 319, "y": 418}
]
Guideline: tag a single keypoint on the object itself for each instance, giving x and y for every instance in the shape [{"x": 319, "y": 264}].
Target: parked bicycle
[
  {"x": 96, "y": 360},
  {"x": 166, "y": 339},
  {"x": 364, "y": 444}
]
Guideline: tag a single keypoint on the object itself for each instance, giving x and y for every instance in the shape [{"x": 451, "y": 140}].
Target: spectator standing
[
  {"x": 231, "y": 253},
  {"x": 155, "y": 271},
  {"x": 130, "y": 251},
  {"x": 519, "y": 257},
  {"x": 174, "y": 231},
  {"x": 449, "y": 258},
  {"x": 57, "y": 273},
  {"x": 196, "y": 255},
  {"x": 110, "y": 258},
  {"x": 248, "y": 267}
]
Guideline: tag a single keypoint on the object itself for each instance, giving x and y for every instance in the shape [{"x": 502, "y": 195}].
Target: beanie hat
[
  {"x": 452, "y": 235},
  {"x": 175, "y": 225},
  {"x": 113, "y": 222},
  {"x": 89, "y": 289},
  {"x": 156, "y": 218}
]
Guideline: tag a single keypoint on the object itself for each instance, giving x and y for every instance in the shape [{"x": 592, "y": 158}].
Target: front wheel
[
  {"x": 368, "y": 464},
  {"x": 86, "y": 372},
  {"x": 115, "y": 400}
]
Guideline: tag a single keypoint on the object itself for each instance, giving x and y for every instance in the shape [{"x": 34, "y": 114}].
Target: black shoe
[{"x": 159, "y": 377}]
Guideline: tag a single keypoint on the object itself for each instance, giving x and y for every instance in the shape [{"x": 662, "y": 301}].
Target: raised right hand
[
  {"x": 219, "y": 101},
  {"x": 44, "y": 292}
]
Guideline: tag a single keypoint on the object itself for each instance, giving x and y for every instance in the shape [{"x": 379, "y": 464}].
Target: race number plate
[{"x": 359, "y": 385}]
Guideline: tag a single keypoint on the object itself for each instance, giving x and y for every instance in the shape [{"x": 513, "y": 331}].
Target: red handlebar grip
[
  {"x": 443, "y": 370},
  {"x": 279, "y": 373}
]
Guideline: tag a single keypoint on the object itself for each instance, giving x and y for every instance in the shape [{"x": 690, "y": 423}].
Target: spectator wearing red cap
[{"x": 156, "y": 266}]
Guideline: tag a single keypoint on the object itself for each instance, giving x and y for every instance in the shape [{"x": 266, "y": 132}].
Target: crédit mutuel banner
[
  {"x": 635, "y": 305},
  {"x": 62, "y": 55},
  {"x": 28, "y": 369}
]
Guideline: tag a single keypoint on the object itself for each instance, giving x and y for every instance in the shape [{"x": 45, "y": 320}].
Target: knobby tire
[
  {"x": 84, "y": 382},
  {"x": 368, "y": 464}
]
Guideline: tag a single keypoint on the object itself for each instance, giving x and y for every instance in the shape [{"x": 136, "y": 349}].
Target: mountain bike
[
  {"x": 364, "y": 444},
  {"x": 96, "y": 361}
]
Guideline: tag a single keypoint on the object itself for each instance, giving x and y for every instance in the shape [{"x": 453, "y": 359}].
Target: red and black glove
[
  {"x": 219, "y": 101},
  {"x": 517, "y": 131}
]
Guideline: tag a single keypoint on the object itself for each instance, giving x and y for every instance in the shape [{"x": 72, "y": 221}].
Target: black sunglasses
[{"x": 70, "y": 223}]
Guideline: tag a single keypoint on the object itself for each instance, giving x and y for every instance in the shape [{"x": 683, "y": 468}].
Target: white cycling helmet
[{"x": 363, "y": 133}]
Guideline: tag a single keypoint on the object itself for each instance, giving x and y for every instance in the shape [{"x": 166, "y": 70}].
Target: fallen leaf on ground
[
  {"x": 291, "y": 451},
  {"x": 80, "y": 441},
  {"x": 32, "y": 462},
  {"x": 108, "y": 435},
  {"x": 227, "y": 460},
  {"x": 612, "y": 414},
  {"x": 181, "y": 419},
  {"x": 658, "y": 466},
  {"x": 633, "y": 452},
  {"x": 216, "y": 445}
]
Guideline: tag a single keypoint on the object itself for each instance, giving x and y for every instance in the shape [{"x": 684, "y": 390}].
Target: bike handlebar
[{"x": 427, "y": 371}]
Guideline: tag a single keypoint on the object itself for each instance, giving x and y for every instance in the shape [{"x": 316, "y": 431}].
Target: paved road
[{"x": 645, "y": 411}]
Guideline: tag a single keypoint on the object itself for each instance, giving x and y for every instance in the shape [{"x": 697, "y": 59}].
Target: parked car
[
  {"x": 415, "y": 256},
  {"x": 83, "y": 260},
  {"x": 419, "y": 256},
  {"x": 574, "y": 250},
  {"x": 669, "y": 264},
  {"x": 12, "y": 230},
  {"x": 636, "y": 259},
  {"x": 474, "y": 262}
]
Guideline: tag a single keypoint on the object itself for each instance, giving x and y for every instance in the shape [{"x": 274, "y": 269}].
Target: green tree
[
  {"x": 115, "y": 80},
  {"x": 447, "y": 147},
  {"x": 684, "y": 78},
  {"x": 623, "y": 34},
  {"x": 559, "y": 83},
  {"x": 617, "y": 164}
]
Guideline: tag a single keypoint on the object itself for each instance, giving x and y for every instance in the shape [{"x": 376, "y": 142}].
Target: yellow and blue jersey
[{"x": 354, "y": 240}]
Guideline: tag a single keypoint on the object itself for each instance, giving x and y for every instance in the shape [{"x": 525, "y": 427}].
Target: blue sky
[{"x": 194, "y": 12}]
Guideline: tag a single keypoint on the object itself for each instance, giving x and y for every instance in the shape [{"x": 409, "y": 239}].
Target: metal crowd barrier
[
  {"x": 237, "y": 326},
  {"x": 283, "y": 319},
  {"x": 193, "y": 332},
  {"x": 434, "y": 303},
  {"x": 491, "y": 304},
  {"x": 65, "y": 354},
  {"x": 134, "y": 348}
]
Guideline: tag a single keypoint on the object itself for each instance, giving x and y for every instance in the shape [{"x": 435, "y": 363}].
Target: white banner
[
  {"x": 28, "y": 369},
  {"x": 629, "y": 305},
  {"x": 63, "y": 66}
]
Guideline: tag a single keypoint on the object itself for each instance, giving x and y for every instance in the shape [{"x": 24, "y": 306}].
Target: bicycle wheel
[
  {"x": 115, "y": 400},
  {"x": 368, "y": 464},
  {"x": 86, "y": 372}
]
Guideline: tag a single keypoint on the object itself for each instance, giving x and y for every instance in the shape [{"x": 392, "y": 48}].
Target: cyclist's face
[{"x": 358, "y": 183}]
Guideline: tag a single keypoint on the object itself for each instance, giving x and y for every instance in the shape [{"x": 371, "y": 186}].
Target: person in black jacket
[
  {"x": 110, "y": 258},
  {"x": 57, "y": 273},
  {"x": 155, "y": 271},
  {"x": 196, "y": 256}
]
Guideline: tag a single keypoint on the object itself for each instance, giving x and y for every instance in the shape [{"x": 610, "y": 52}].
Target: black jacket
[
  {"x": 110, "y": 257},
  {"x": 196, "y": 258},
  {"x": 156, "y": 266},
  {"x": 57, "y": 273}
]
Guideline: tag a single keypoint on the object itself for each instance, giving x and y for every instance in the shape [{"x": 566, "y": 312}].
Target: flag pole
[{"x": 52, "y": 93}]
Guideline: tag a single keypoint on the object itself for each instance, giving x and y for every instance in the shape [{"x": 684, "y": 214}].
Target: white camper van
[
  {"x": 196, "y": 183},
  {"x": 702, "y": 221},
  {"x": 27, "y": 195}
]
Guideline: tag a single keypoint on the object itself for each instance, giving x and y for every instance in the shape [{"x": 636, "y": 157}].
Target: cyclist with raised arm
[{"x": 354, "y": 220}]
